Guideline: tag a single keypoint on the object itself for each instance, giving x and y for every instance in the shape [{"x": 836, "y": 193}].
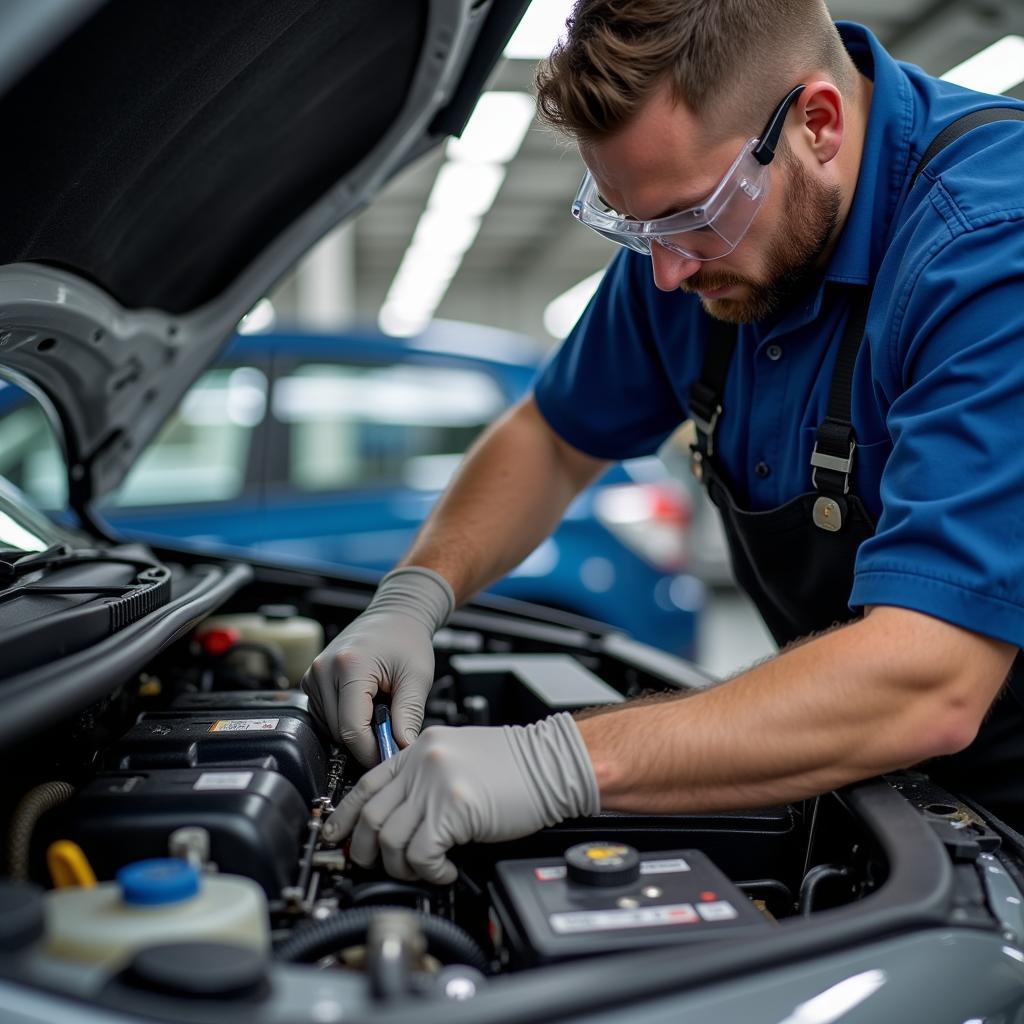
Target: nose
[{"x": 670, "y": 269}]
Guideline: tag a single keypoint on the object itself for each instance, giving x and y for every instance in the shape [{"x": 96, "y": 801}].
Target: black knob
[
  {"x": 602, "y": 864},
  {"x": 203, "y": 970}
]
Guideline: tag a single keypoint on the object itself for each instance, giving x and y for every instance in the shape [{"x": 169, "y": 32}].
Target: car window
[
  {"x": 394, "y": 425},
  {"x": 202, "y": 453},
  {"x": 30, "y": 454}
]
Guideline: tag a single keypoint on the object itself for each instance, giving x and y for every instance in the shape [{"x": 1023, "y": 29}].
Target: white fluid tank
[
  {"x": 154, "y": 902},
  {"x": 298, "y": 640}
]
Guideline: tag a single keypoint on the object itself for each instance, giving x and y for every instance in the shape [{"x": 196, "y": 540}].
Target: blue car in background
[{"x": 332, "y": 449}]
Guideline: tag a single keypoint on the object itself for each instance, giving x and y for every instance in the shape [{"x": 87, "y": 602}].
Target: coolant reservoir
[
  {"x": 298, "y": 639},
  {"x": 154, "y": 901}
]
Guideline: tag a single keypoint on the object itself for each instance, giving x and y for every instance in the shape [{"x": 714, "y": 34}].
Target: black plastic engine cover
[
  {"x": 544, "y": 914},
  {"x": 744, "y": 844},
  {"x": 242, "y": 738},
  {"x": 256, "y": 820},
  {"x": 268, "y": 702}
]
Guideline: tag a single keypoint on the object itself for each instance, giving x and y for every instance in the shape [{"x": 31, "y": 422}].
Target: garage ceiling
[{"x": 528, "y": 250}]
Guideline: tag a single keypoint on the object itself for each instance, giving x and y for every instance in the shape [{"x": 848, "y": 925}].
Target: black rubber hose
[
  {"x": 314, "y": 939},
  {"x": 813, "y": 879},
  {"x": 769, "y": 889},
  {"x": 32, "y": 806}
]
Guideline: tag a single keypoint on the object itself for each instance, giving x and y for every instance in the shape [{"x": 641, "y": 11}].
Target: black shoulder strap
[
  {"x": 961, "y": 126},
  {"x": 836, "y": 440},
  {"x": 706, "y": 392}
]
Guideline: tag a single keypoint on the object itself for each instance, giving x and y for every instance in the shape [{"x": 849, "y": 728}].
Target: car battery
[
  {"x": 605, "y": 896},
  {"x": 237, "y": 738},
  {"x": 256, "y": 820}
]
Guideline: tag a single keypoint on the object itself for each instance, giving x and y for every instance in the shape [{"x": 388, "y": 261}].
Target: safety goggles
[{"x": 704, "y": 232}]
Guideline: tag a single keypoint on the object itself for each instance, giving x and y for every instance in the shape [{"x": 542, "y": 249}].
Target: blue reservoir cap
[{"x": 150, "y": 883}]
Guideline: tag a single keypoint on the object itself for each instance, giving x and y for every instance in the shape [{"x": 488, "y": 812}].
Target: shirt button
[
  {"x": 774, "y": 352},
  {"x": 762, "y": 469}
]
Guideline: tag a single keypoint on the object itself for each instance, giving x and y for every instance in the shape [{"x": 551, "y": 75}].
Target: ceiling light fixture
[
  {"x": 996, "y": 69},
  {"x": 542, "y": 25},
  {"x": 496, "y": 129},
  {"x": 463, "y": 192}
]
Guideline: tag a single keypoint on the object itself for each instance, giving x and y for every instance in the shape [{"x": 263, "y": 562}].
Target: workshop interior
[{"x": 165, "y": 781}]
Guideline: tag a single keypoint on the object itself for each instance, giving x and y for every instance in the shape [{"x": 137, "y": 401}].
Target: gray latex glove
[
  {"x": 387, "y": 649},
  {"x": 455, "y": 786}
]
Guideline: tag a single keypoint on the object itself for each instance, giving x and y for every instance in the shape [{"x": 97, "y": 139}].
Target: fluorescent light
[
  {"x": 399, "y": 322},
  {"x": 463, "y": 192},
  {"x": 561, "y": 313},
  {"x": 422, "y": 276},
  {"x": 542, "y": 25},
  {"x": 443, "y": 233},
  {"x": 466, "y": 189},
  {"x": 496, "y": 129},
  {"x": 996, "y": 69}
]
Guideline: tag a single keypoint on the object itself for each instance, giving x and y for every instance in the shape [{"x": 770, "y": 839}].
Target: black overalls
[{"x": 796, "y": 561}]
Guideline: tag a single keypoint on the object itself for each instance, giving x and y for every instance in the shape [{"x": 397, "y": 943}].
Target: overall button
[
  {"x": 774, "y": 352},
  {"x": 762, "y": 469}
]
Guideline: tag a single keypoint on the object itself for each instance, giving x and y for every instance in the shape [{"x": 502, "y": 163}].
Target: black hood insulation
[{"x": 163, "y": 145}]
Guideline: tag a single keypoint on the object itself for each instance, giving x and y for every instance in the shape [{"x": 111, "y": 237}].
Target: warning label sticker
[
  {"x": 245, "y": 725},
  {"x": 613, "y": 920},
  {"x": 719, "y": 910},
  {"x": 223, "y": 780},
  {"x": 549, "y": 874},
  {"x": 663, "y": 867}
]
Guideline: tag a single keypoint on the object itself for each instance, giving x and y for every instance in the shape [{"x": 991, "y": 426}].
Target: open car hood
[{"x": 167, "y": 164}]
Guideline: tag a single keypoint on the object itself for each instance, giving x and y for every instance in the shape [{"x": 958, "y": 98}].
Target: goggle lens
[{"x": 717, "y": 228}]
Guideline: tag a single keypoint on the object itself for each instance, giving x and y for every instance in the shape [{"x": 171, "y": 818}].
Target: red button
[{"x": 708, "y": 896}]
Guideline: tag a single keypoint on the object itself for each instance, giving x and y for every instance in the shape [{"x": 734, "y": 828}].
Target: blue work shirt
[{"x": 938, "y": 390}]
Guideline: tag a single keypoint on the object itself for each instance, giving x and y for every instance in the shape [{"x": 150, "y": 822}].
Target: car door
[
  {"x": 201, "y": 479},
  {"x": 365, "y": 437}
]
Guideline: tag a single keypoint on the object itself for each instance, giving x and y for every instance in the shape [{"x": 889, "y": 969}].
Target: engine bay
[{"x": 198, "y": 786}]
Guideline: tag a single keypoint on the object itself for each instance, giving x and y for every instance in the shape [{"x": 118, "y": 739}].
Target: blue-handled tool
[{"x": 382, "y": 730}]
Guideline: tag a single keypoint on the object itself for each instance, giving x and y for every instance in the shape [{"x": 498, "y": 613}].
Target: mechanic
[{"x": 848, "y": 336}]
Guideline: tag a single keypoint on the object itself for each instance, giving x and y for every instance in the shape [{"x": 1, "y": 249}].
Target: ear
[{"x": 820, "y": 107}]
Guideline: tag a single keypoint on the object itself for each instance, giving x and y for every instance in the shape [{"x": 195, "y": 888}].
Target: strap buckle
[
  {"x": 820, "y": 460},
  {"x": 706, "y": 428}
]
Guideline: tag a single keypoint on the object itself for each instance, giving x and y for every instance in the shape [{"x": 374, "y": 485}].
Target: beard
[{"x": 791, "y": 263}]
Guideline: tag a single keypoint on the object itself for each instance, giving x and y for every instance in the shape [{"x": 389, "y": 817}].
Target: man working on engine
[{"x": 845, "y": 326}]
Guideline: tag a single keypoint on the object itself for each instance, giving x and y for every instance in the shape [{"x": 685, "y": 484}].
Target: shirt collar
[
  {"x": 883, "y": 171},
  {"x": 883, "y": 166}
]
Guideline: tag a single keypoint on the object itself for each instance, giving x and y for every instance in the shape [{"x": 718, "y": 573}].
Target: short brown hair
[{"x": 734, "y": 57}]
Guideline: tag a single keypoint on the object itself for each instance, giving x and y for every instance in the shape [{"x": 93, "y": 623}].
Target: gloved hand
[
  {"x": 389, "y": 649},
  {"x": 454, "y": 786}
]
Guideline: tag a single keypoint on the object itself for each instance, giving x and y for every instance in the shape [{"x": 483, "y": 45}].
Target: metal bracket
[
  {"x": 819, "y": 460},
  {"x": 707, "y": 427}
]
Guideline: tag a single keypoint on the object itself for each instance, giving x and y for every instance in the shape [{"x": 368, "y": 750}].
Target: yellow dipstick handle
[{"x": 69, "y": 866}]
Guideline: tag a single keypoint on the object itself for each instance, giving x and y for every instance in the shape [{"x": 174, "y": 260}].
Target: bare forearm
[
  {"x": 509, "y": 494},
  {"x": 842, "y": 707}
]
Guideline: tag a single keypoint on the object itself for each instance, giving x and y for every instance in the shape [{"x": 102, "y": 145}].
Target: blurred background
[
  {"x": 516, "y": 260},
  {"x": 340, "y": 411}
]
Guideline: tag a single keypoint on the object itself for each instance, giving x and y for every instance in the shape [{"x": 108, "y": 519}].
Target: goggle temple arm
[{"x": 764, "y": 151}]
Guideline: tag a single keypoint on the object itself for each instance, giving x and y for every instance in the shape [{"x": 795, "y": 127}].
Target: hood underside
[{"x": 168, "y": 162}]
